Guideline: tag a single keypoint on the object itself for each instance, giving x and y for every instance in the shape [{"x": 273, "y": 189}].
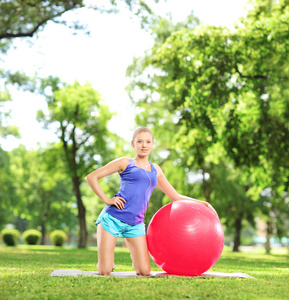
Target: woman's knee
[
  {"x": 104, "y": 273},
  {"x": 104, "y": 270},
  {"x": 142, "y": 268},
  {"x": 144, "y": 271}
]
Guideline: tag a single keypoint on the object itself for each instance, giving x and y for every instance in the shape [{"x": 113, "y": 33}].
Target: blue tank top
[{"x": 136, "y": 187}]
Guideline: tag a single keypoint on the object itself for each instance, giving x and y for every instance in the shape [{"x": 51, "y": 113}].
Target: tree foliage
[
  {"x": 8, "y": 194},
  {"x": 82, "y": 125},
  {"x": 80, "y": 119},
  {"x": 226, "y": 93},
  {"x": 24, "y": 18},
  {"x": 7, "y": 80},
  {"x": 43, "y": 190}
]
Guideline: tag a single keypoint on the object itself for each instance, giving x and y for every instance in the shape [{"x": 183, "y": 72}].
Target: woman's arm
[
  {"x": 170, "y": 191},
  {"x": 118, "y": 165}
]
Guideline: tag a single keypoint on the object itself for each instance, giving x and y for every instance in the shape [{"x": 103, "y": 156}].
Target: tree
[
  {"x": 80, "y": 118},
  {"x": 5, "y": 129},
  {"x": 231, "y": 200},
  {"x": 8, "y": 195},
  {"x": 24, "y": 18},
  {"x": 260, "y": 134},
  {"x": 203, "y": 77},
  {"x": 229, "y": 91},
  {"x": 11, "y": 79},
  {"x": 43, "y": 190}
]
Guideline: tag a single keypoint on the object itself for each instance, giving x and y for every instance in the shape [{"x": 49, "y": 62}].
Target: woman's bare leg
[
  {"x": 139, "y": 254},
  {"x": 105, "y": 247}
]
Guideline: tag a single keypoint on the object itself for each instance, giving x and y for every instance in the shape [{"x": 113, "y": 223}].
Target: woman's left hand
[
  {"x": 210, "y": 207},
  {"x": 182, "y": 197}
]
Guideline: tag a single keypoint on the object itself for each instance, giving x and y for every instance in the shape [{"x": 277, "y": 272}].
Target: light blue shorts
[{"x": 118, "y": 228}]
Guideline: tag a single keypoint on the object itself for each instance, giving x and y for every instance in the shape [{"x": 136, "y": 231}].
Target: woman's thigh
[
  {"x": 139, "y": 254},
  {"x": 105, "y": 248}
]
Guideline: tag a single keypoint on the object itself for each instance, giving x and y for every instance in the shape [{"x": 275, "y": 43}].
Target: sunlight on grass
[
  {"x": 24, "y": 273},
  {"x": 49, "y": 250}
]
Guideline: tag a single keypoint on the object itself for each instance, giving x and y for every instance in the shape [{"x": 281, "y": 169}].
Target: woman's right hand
[{"x": 117, "y": 201}]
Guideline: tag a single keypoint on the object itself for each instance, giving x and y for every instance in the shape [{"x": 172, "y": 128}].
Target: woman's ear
[{"x": 132, "y": 144}]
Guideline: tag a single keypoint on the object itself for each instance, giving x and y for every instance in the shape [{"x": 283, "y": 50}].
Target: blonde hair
[{"x": 139, "y": 130}]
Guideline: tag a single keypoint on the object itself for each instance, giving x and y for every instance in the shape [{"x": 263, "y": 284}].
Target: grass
[{"x": 24, "y": 274}]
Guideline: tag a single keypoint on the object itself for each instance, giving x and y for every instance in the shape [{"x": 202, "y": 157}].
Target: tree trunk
[
  {"x": 237, "y": 239},
  {"x": 44, "y": 220},
  {"x": 73, "y": 167},
  {"x": 82, "y": 237},
  {"x": 43, "y": 233},
  {"x": 268, "y": 237}
]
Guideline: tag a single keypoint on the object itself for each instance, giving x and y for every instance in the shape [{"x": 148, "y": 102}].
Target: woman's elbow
[{"x": 89, "y": 177}]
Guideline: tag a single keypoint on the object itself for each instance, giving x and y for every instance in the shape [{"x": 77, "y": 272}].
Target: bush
[
  {"x": 10, "y": 236},
  {"x": 58, "y": 237},
  {"x": 31, "y": 237}
]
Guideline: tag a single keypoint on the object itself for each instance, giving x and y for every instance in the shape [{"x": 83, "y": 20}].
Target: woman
[{"x": 123, "y": 214}]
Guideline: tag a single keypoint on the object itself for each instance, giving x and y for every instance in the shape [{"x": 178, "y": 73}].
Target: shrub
[
  {"x": 31, "y": 236},
  {"x": 10, "y": 236},
  {"x": 58, "y": 237}
]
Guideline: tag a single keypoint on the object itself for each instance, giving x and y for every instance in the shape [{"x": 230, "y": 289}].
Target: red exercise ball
[{"x": 185, "y": 238}]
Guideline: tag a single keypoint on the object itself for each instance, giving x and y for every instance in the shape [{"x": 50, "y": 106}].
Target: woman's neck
[
  {"x": 141, "y": 161},
  {"x": 141, "y": 158}
]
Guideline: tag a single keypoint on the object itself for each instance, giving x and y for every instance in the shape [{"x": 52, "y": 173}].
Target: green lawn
[{"x": 24, "y": 274}]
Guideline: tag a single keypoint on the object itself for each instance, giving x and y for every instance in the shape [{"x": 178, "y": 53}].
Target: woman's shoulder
[
  {"x": 158, "y": 169},
  {"x": 123, "y": 163},
  {"x": 124, "y": 159}
]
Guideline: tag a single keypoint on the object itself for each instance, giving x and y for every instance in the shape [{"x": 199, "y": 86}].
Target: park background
[{"x": 213, "y": 89}]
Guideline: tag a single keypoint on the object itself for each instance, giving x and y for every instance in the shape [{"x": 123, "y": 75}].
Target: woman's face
[{"x": 143, "y": 143}]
